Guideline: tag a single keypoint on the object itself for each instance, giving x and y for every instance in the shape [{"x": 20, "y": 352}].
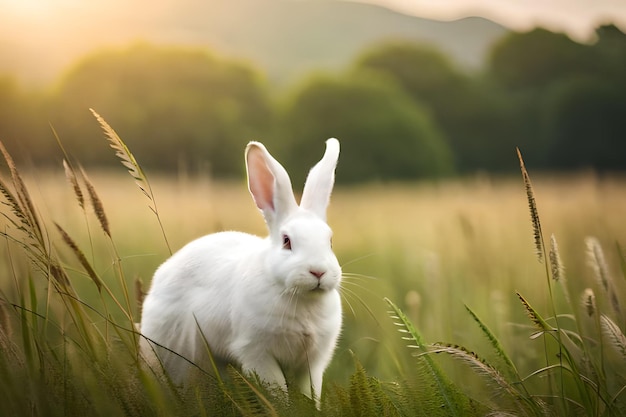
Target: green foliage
[
  {"x": 535, "y": 59},
  {"x": 510, "y": 368},
  {"x": 473, "y": 115},
  {"x": 447, "y": 397},
  {"x": 424, "y": 73},
  {"x": 577, "y": 109},
  {"x": 11, "y": 102},
  {"x": 183, "y": 108},
  {"x": 564, "y": 93},
  {"x": 189, "y": 110},
  {"x": 384, "y": 134},
  {"x": 610, "y": 48}
]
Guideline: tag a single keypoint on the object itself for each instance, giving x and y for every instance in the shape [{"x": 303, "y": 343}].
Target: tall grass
[{"x": 522, "y": 335}]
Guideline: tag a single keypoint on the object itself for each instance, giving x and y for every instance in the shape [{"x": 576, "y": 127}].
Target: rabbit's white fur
[{"x": 268, "y": 305}]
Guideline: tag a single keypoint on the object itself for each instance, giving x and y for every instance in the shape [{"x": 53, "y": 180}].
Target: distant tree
[
  {"x": 471, "y": 112},
  {"x": 586, "y": 123},
  {"x": 173, "y": 106},
  {"x": 609, "y": 54},
  {"x": 23, "y": 129},
  {"x": 384, "y": 133},
  {"x": 567, "y": 95},
  {"x": 423, "y": 72},
  {"x": 534, "y": 59},
  {"x": 524, "y": 65},
  {"x": 10, "y": 108}
]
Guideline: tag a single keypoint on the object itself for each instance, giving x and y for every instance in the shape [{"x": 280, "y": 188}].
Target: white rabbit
[{"x": 270, "y": 305}]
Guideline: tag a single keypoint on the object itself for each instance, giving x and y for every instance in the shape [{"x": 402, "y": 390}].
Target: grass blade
[
  {"x": 494, "y": 342},
  {"x": 454, "y": 403},
  {"x": 250, "y": 401}
]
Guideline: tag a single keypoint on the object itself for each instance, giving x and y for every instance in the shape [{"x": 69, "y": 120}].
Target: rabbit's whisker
[
  {"x": 356, "y": 281},
  {"x": 345, "y": 292},
  {"x": 360, "y": 286},
  {"x": 356, "y": 275},
  {"x": 346, "y": 299},
  {"x": 358, "y": 259}
]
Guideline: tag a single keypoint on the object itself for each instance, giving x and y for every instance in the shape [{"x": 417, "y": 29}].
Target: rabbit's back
[{"x": 194, "y": 290}]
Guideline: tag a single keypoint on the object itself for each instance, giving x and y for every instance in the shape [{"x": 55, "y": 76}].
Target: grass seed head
[
  {"x": 595, "y": 259},
  {"x": 98, "y": 207},
  {"x": 558, "y": 271},
  {"x": 600, "y": 268},
  {"x": 532, "y": 205},
  {"x": 22, "y": 197},
  {"x": 71, "y": 178},
  {"x": 589, "y": 301}
]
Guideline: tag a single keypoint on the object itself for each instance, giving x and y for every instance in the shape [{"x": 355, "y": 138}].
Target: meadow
[{"x": 451, "y": 264}]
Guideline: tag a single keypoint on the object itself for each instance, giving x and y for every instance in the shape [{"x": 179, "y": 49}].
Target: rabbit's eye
[{"x": 286, "y": 242}]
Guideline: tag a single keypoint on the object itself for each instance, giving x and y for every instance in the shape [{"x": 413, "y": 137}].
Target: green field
[{"x": 430, "y": 248}]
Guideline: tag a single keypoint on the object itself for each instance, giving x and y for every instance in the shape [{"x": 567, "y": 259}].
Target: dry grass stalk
[
  {"x": 96, "y": 203},
  {"x": 537, "y": 320},
  {"x": 557, "y": 267},
  {"x": 597, "y": 262},
  {"x": 532, "y": 205},
  {"x": 477, "y": 364},
  {"x": 81, "y": 257},
  {"x": 125, "y": 156},
  {"x": 614, "y": 334},
  {"x": 71, "y": 178},
  {"x": 129, "y": 161},
  {"x": 558, "y": 270},
  {"x": 22, "y": 206},
  {"x": 6, "y": 329},
  {"x": 59, "y": 275},
  {"x": 23, "y": 199},
  {"x": 15, "y": 206},
  {"x": 589, "y": 301},
  {"x": 10, "y": 350}
]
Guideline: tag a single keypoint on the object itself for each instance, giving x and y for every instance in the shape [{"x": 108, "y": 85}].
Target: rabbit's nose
[{"x": 317, "y": 274}]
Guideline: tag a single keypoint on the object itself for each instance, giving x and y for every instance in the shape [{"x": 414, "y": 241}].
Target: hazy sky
[
  {"x": 54, "y": 32},
  {"x": 576, "y": 17}
]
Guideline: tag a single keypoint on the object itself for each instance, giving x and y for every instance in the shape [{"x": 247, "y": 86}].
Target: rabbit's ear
[
  {"x": 319, "y": 183},
  {"x": 269, "y": 184}
]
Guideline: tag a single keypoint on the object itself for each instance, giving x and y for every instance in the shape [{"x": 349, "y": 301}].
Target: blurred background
[
  {"x": 414, "y": 89},
  {"x": 428, "y": 98}
]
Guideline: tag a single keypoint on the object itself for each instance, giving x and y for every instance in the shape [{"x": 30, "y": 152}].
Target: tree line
[{"x": 401, "y": 110}]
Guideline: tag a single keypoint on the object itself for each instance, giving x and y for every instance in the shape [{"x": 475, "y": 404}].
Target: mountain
[
  {"x": 284, "y": 38},
  {"x": 287, "y": 37}
]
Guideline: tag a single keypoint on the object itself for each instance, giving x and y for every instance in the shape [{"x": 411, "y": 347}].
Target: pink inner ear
[{"x": 260, "y": 180}]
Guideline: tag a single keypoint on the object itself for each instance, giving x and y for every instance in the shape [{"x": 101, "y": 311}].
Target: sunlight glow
[{"x": 30, "y": 8}]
